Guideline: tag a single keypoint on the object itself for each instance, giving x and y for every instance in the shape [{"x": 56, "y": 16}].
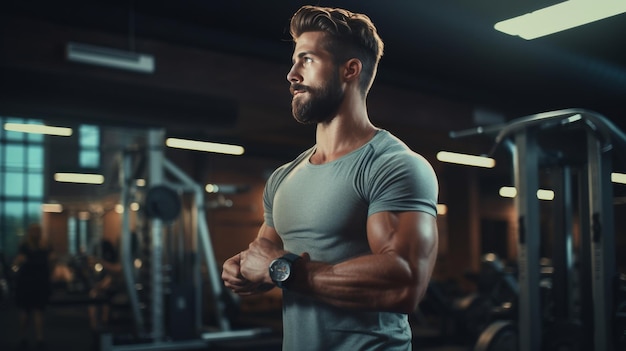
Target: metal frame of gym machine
[
  {"x": 597, "y": 261},
  {"x": 157, "y": 167}
]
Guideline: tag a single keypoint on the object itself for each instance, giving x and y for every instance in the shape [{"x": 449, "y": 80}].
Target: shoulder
[{"x": 390, "y": 151}]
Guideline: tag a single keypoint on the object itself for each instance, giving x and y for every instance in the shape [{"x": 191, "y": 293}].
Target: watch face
[{"x": 280, "y": 270}]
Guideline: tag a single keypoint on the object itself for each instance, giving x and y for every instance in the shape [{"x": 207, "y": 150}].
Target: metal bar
[
  {"x": 602, "y": 241},
  {"x": 127, "y": 259},
  {"x": 155, "y": 176},
  {"x": 585, "y": 265},
  {"x": 526, "y": 170},
  {"x": 562, "y": 244}
]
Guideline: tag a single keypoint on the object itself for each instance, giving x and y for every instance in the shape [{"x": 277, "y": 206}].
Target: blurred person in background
[
  {"x": 109, "y": 283},
  {"x": 32, "y": 284}
]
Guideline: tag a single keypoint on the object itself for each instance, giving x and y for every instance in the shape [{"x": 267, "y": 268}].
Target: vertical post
[
  {"x": 526, "y": 169},
  {"x": 155, "y": 176},
  {"x": 196, "y": 272},
  {"x": 602, "y": 240},
  {"x": 585, "y": 266},
  {"x": 126, "y": 257},
  {"x": 562, "y": 258}
]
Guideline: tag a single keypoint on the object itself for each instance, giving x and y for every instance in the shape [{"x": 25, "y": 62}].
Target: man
[{"x": 350, "y": 230}]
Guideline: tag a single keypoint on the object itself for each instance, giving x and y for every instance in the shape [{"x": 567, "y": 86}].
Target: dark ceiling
[{"x": 447, "y": 50}]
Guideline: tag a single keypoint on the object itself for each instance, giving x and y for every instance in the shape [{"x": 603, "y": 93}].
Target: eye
[{"x": 307, "y": 59}]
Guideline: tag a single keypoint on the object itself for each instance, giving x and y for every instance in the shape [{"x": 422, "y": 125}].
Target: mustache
[{"x": 297, "y": 86}]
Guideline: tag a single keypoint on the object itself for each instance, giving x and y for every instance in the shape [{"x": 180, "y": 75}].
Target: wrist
[{"x": 282, "y": 270}]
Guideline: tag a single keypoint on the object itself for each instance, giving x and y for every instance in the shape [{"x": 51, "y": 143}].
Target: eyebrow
[{"x": 302, "y": 54}]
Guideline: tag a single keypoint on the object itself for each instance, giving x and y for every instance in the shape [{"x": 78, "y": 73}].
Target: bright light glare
[
  {"x": 442, "y": 209},
  {"x": 463, "y": 159},
  {"x": 79, "y": 178},
  {"x": 52, "y": 208},
  {"x": 119, "y": 208},
  {"x": 507, "y": 191},
  {"x": 38, "y": 129},
  {"x": 542, "y": 194},
  {"x": 212, "y": 188},
  {"x": 204, "y": 146},
  {"x": 559, "y": 17},
  {"x": 619, "y": 178}
]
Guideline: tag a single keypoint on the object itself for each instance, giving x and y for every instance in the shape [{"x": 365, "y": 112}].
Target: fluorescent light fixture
[
  {"x": 38, "y": 129},
  {"x": 507, "y": 191},
  {"x": 442, "y": 209},
  {"x": 204, "y": 146},
  {"x": 542, "y": 194},
  {"x": 619, "y": 178},
  {"x": 79, "y": 178},
  {"x": 559, "y": 17},
  {"x": 547, "y": 195},
  {"x": 52, "y": 208},
  {"x": 464, "y": 159},
  {"x": 107, "y": 57}
]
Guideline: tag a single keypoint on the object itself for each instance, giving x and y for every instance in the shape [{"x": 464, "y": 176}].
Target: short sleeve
[{"x": 403, "y": 181}]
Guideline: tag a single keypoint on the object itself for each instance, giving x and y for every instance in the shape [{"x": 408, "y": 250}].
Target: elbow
[{"x": 411, "y": 297}]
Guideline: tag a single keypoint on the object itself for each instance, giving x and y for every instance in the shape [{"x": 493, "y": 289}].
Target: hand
[
  {"x": 233, "y": 280},
  {"x": 256, "y": 260}
]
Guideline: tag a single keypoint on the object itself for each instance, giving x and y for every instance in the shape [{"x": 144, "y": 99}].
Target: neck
[{"x": 348, "y": 131}]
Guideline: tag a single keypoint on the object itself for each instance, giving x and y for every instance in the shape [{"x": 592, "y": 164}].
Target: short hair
[{"x": 352, "y": 35}]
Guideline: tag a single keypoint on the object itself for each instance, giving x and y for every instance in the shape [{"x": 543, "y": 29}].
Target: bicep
[{"x": 412, "y": 235}]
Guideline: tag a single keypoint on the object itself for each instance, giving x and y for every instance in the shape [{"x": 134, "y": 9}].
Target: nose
[{"x": 293, "y": 76}]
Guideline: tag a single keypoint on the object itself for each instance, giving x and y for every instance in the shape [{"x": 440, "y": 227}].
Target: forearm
[{"x": 381, "y": 282}]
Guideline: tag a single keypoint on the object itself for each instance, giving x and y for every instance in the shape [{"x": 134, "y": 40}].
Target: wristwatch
[{"x": 280, "y": 269}]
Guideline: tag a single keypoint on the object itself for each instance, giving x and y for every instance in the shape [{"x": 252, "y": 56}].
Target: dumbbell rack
[{"x": 597, "y": 256}]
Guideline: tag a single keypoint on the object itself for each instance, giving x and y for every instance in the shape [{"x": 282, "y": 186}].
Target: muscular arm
[{"x": 394, "y": 277}]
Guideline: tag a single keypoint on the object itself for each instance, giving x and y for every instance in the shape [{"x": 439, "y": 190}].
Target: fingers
[{"x": 233, "y": 280}]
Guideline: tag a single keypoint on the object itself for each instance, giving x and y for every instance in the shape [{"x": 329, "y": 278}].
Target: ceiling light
[
  {"x": 559, "y": 17},
  {"x": 79, "y": 178},
  {"x": 52, "y": 208},
  {"x": 204, "y": 146},
  {"x": 38, "y": 129},
  {"x": 542, "y": 194},
  {"x": 619, "y": 178},
  {"x": 107, "y": 57},
  {"x": 442, "y": 209},
  {"x": 464, "y": 159}
]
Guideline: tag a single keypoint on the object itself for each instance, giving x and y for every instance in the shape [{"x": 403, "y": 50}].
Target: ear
[{"x": 352, "y": 69}]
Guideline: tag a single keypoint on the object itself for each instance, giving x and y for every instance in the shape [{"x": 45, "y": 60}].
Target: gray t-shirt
[{"x": 323, "y": 210}]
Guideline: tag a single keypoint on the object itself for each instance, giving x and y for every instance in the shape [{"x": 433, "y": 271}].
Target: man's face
[{"x": 315, "y": 85}]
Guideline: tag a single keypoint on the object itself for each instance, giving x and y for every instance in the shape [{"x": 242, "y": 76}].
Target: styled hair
[{"x": 351, "y": 35}]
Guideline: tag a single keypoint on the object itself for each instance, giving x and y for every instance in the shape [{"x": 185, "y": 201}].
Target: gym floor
[{"x": 67, "y": 329}]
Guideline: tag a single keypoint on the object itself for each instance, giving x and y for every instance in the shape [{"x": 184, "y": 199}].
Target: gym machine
[
  {"x": 577, "y": 146},
  {"x": 162, "y": 205}
]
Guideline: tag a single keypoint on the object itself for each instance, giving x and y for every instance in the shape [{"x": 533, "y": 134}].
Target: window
[
  {"x": 89, "y": 141},
  {"x": 21, "y": 183}
]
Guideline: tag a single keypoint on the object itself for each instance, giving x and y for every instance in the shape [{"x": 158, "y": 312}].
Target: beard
[{"x": 322, "y": 103}]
